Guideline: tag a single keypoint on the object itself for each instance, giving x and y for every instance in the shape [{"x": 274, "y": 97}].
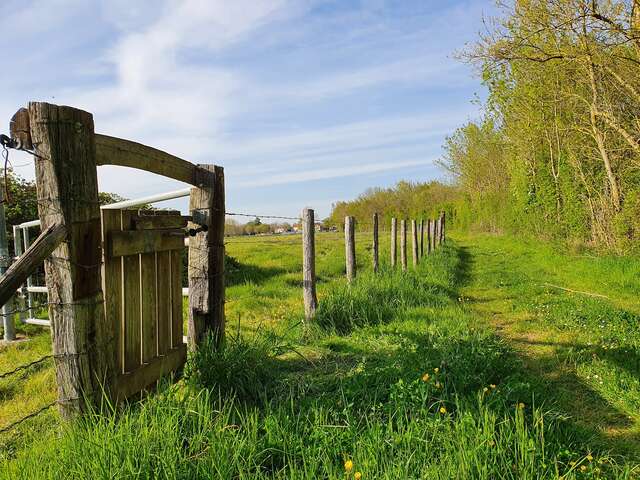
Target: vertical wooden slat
[
  {"x": 176, "y": 298},
  {"x": 112, "y": 285},
  {"x": 132, "y": 322},
  {"x": 148, "y": 310},
  {"x": 163, "y": 289}
]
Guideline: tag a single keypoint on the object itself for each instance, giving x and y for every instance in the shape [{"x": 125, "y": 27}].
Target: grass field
[{"x": 496, "y": 358}]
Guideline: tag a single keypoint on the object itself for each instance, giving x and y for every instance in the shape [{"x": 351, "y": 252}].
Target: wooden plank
[
  {"x": 125, "y": 153},
  {"x": 159, "y": 222},
  {"x": 145, "y": 376},
  {"x": 148, "y": 309},
  {"x": 144, "y": 241},
  {"x": 177, "y": 318},
  {"x": 132, "y": 322},
  {"x": 206, "y": 261},
  {"x": 112, "y": 286},
  {"x": 163, "y": 288},
  {"x": 18, "y": 272},
  {"x": 67, "y": 183}
]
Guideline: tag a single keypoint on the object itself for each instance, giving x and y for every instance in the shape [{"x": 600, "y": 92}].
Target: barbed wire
[
  {"x": 26, "y": 366},
  {"x": 13, "y": 425},
  {"x": 278, "y": 217}
]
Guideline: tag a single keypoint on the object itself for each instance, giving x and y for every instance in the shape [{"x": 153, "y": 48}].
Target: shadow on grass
[{"x": 237, "y": 273}]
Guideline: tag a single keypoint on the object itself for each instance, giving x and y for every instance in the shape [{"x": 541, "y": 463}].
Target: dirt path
[{"x": 563, "y": 364}]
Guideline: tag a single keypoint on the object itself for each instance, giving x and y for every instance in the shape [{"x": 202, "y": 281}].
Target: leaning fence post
[
  {"x": 414, "y": 242},
  {"x": 394, "y": 239},
  {"x": 66, "y": 176},
  {"x": 375, "y": 243},
  {"x": 206, "y": 259},
  {"x": 309, "y": 264},
  {"x": 350, "y": 246},
  {"x": 403, "y": 244}
]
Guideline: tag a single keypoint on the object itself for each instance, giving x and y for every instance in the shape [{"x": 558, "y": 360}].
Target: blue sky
[{"x": 304, "y": 102}]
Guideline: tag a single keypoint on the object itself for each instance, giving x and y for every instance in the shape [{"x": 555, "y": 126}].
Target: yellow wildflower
[
  {"x": 436, "y": 370},
  {"x": 485, "y": 389},
  {"x": 521, "y": 405},
  {"x": 590, "y": 457},
  {"x": 426, "y": 377},
  {"x": 443, "y": 410},
  {"x": 357, "y": 476},
  {"x": 492, "y": 386},
  {"x": 438, "y": 385},
  {"x": 583, "y": 468},
  {"x": 348, "y": 466}
]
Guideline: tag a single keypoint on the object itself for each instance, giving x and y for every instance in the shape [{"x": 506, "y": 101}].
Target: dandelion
[
  {"x": 492, "y": 386},
  {"x": 348, "y": 466},
  {"x": 436, "y": 370},
  {"x": 443, "y": 410},
  {"x": 426, "y": 377},
  {"x": 521, "y": 405},
  {"x": 590, "y": 457},
  {"x": 583, "y": 468},
  {"x": 357, "y": 476}
]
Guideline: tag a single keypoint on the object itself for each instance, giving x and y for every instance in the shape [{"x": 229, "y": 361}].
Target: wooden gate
[{"x": 142, "y": 283}]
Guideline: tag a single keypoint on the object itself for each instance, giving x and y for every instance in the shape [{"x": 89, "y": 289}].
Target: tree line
[{"x": 557, "y": 150}]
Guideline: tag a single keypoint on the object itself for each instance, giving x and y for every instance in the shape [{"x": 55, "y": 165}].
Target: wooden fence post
[
  {"x": 443, "y": 226},
  {"x": 414, "y": 242},
  {"x": 422, "y": 238},
  {"x": 206, "y": 259},
  {"x": 394, "y": 240},
  {"x": 429, "y": 236},
  {"x": 376, "y": 247},
  {"x": 350, "y": 246},
  {"x": 66, "y": 176},
  {"x": 309, "y": 263},
  {"x": 403, "y": 244},
  {"x": 436, "y": 232}
]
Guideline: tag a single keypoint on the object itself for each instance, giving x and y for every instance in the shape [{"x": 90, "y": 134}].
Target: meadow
[{"x": 494, "y": 358}]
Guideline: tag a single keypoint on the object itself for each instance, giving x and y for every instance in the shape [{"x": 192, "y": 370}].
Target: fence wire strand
[
  {"x": 26, "y": 366},
  {"x": 13, "y": 425}
]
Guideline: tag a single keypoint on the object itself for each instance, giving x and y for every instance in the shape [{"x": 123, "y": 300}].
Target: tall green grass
[{"x": 399, "y": 378}]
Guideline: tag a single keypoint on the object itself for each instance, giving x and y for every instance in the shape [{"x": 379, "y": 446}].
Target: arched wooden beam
[{"x": 125, "y": 153}]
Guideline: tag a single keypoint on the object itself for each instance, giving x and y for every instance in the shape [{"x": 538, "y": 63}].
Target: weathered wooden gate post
[
  {"x": 206, "y": 259},
  {"x": 67, "y": 184},
  {"x": 309, "y": 263}
]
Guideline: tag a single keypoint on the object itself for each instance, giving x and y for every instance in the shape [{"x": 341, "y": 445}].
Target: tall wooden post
[
  {"x": 376, "y": 247},
  {"x": 350, "y": 246},
  {"x": 67, "y": 183},
  {"x": 206, "y": 259},
  {"x": 443, "y": 224},
  {"x": 394, "y": 240},
  {"x": 403, "y": 244},
  {"x": 414, "y": 242},
  {"x": 429, "y": 236},
  {"x": 436, "y": 232},
  {"x": 309, "y": 263}
]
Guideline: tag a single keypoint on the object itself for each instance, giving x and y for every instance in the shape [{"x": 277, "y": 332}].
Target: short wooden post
[
  {"x": 309, "y": 264},
  {"x": 376, "y": 247},
  {"x": 403, "y": 244},
  {"x": 429, "y": 236},
  {"x": 66, "y": 177},
  {"x": 394, "y": 240},
  {"x": 350, "y": 246},
  {"x": 422, "y": 238},
  {"x": 206, "y": 259},
  {"x": 414, "y": 242}
]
